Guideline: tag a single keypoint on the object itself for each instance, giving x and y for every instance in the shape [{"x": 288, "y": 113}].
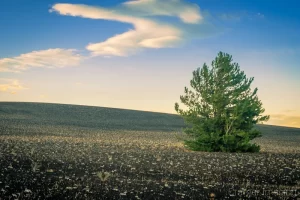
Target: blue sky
[{"x": 141, "y": 54}]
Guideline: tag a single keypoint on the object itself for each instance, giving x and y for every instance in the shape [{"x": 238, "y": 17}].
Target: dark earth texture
[{"x": 56, "y": 151}]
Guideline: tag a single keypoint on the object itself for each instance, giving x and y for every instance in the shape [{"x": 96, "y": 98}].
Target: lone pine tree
[{"x": 222, "y": 108}]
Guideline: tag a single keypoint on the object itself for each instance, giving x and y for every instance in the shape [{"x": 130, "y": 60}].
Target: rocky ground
[{"x": 50, "y": 151}]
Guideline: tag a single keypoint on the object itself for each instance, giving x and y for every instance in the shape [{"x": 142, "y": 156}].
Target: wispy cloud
[
  {"x": 43, "y": 96},
  {"x": 187, "y": 12},
  {"x": 285, "y": 120},
  {"x": 50, "y": 58},
  {"x": 11, "y": 86},
  {"x": 147, "y": 32},
  {"x": 78, "y": 83},
  {"x": 288, "y": 111},
  {"x": 239, "y": 16}
]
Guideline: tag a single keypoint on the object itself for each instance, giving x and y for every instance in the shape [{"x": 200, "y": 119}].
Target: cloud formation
[
  {"x": 51, "y": 58},
  {"x": 238, "y": 16},
  {"x": 187, "y": 12},
  {"x": 10, "y": 86},
  {"x": 146, "y": 32},
  {"x": 285, "y": 120},
  {"x": 43, "y": 96}
]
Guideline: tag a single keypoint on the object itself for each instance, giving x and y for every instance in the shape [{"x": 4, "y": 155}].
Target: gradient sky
[{"x": 140, "y": 54}]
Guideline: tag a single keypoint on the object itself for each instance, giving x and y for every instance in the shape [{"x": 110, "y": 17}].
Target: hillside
[
  {"x": 56, "y": 151},
  {"x": 102, "y": 118},
  {"x": 87, "y": 117}
]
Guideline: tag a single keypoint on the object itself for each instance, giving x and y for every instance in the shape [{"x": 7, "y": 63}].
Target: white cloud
[
  {"x": 147, "y": 33},
  {"x": 10, "y": 86},
  {"x": 51, "y": 58},
  {"x": 187, "y": 12}
]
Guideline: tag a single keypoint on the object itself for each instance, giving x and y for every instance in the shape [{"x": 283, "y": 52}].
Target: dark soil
[{"x": 50, "y": 151}]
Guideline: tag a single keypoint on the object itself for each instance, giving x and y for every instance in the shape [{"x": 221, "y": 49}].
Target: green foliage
[{"x": 222, "y": 108}]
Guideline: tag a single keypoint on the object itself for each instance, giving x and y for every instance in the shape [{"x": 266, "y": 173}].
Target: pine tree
[{"x": 222, "y": 108}]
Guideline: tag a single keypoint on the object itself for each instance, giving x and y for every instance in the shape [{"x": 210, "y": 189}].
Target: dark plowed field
[{"x": 55, "y": 151}]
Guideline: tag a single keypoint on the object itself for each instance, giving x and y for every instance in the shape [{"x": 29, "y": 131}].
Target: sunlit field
[{"x": 55, "y": 151}]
